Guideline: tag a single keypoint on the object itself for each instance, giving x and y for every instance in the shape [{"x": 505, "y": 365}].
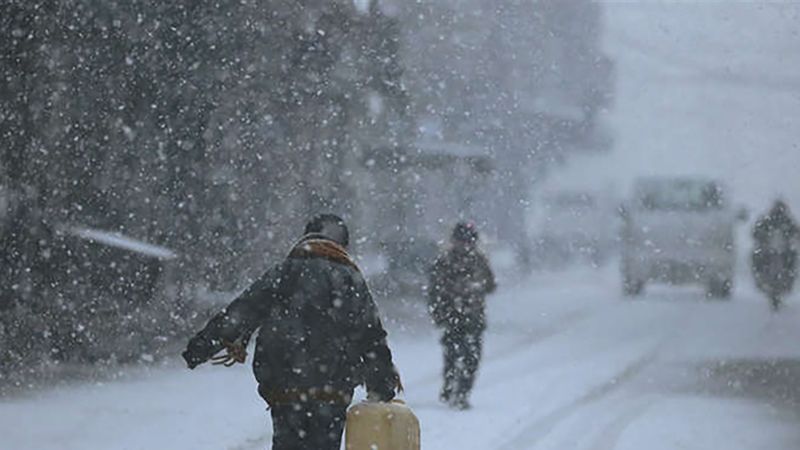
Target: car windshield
[
  {"x": 682, "y": 195},
  {"x": 571, "y": 201},
  {"x": 570, "y": 204}
]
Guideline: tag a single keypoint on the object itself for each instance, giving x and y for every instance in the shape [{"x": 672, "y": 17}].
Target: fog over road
[{"x": 706, "y": 88}]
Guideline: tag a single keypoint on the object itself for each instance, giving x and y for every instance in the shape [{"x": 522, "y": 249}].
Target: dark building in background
[
  {"x": 523, "y": 83},
  {"x": 217, "y": 129}
]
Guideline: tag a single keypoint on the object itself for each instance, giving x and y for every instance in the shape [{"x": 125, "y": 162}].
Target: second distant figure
[
  {"x": 459, "y": 281},
  {"x": 775, "y": 253}
]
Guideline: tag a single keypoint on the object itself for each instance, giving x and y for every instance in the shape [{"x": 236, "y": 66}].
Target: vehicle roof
[{"x": 666, "y": 181}]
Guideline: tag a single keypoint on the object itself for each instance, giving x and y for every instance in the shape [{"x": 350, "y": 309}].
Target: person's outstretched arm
[
  {"x": 233, "y": 326},
  {"x": 436, "y": 306}
]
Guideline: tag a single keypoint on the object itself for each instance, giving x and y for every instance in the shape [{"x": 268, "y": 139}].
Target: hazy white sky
[{"x": 710, "y": 88}]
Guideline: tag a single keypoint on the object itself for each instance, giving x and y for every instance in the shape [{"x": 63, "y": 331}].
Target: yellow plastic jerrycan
[{"x": 381, "y": 426}]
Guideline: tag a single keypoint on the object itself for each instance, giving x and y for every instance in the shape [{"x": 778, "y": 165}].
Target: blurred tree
[{"x": 214, "y": 128}]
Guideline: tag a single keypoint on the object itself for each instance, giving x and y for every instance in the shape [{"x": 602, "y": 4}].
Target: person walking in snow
[
  {"x": 319, "y": 337},
  {"x": 460, "y": 279},
  {"x": 774, "y": 257}
]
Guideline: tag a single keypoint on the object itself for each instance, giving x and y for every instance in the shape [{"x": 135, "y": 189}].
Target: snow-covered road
[{"x": 568, "y": 365}]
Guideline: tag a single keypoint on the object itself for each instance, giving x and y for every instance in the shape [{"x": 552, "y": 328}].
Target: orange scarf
[{"x": 313, "y": 247}]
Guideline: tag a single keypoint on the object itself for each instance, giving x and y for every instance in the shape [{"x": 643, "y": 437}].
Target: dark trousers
[
  {"x": 308, "y": 419},
  {"x": 462, "y": 355},
  {"x": 308, "y": 425}
]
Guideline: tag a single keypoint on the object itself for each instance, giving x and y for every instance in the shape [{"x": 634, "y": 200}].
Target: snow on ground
[{"x": 568, "y": 364}]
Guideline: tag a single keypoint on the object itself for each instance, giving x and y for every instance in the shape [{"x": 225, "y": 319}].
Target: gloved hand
[
  {"x": 192, "y": 361},
  {"x": 383, "y": 395},
  {"x": 386, "y": 391},
  {"x": 197, "y": 351},
  {"x": 376, "y": 397}
]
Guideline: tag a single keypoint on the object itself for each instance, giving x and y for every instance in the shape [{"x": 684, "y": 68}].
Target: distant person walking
[
  {"x": 460, "y": 279},
  {"x": 775, "y": 252},
  {"x": 320, "y": 336}
]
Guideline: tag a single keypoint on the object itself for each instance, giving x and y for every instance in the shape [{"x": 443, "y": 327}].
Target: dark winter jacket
[
  {"x": 778, "y": 223},
  {"x": 319, "y": 327},
  {"x": 459, "y": 282},
  {"x": 775, "y": 253}
]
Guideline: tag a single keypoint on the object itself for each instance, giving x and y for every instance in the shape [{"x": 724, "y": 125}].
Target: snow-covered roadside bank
[
  {"x": 209, "y": 408},
  {"x": 165, "y": 408},
  {"x": 568, "y": 364}
]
